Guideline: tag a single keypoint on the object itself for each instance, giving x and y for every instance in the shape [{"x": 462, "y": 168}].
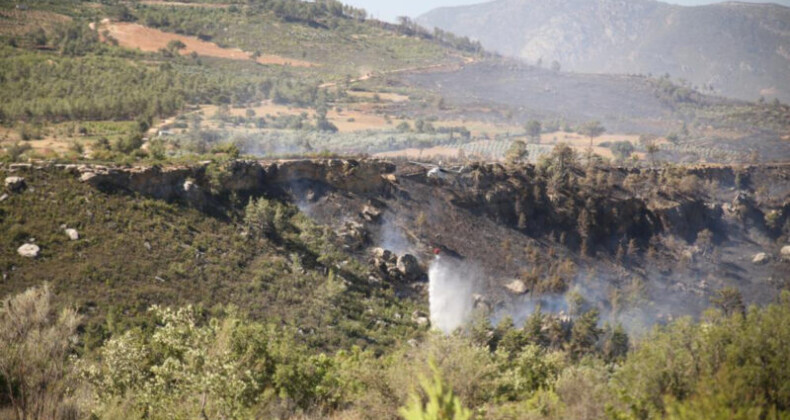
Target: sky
[{"x": 389, "y": 10}]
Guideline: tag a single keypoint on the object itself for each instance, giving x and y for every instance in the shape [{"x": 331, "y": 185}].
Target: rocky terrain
[
  {"x": 663, "y": 239},
  {"x": 738, "y": 49}
]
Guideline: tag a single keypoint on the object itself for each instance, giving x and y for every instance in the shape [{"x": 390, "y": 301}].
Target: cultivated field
[{"x": 132, "y": 35}]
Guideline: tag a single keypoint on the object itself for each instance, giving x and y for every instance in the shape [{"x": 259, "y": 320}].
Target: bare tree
[{"x": 34, "y": 347}]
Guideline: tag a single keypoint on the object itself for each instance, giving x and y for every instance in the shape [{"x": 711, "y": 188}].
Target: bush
[
  {"x": 35, "y": 344},
  {"x": 16, "y": 150},
  {"x": 128, "y": 144},
  {"x": 442, "y": 404},
  {"x": 266, "y": 219}
]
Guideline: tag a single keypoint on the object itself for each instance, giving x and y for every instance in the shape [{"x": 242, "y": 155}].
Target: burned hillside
[{"x": 650, "y": 244}]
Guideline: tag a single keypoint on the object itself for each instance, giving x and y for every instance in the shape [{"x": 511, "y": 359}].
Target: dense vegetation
[
  {"x": 732, "y": 364},
  {"x": 88, "y": 80}
]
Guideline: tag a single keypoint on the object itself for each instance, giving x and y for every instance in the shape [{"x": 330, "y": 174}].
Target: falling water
[{"x": 451, "y": 288}]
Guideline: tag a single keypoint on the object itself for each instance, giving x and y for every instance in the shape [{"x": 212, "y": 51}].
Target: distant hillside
[{"x": 738, "y": 49}]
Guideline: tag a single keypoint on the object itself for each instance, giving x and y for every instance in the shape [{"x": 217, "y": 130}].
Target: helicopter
[{"x": 437, "y": 172}]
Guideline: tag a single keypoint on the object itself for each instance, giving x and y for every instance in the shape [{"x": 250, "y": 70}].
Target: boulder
[
  {"x": 353, "y": 234},
  {"x": 371, "y": 214},
  {"x": 785, "y": 252},
  {"x": 381, "y": 253},
  {"x": 409, "y": 267},
  {"x": 516, "y": 287},
  {"x": 15, "y": 183},
  {"x": 189, "y": 185},
  {"x": 87, "y": 177},
  {"x": 72, "y": 234},
  {"x": 29, "y": 250},
  {"x": 761, "y": 258},
  {"x": 20, "y": 166},
  {"x": 421, "y": 318}
]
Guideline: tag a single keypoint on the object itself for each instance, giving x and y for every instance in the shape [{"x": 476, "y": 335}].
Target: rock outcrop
[
  {"x": 72, "y": 234},
  {"x": 29, "y": 250},
  {"x": 761, "y": 258},
  {"x": 396, "y": 268},
  {"x": 196, "y": 184},
  {"x": 15, "y": 183},
  {"x": 517, "y": 287}
]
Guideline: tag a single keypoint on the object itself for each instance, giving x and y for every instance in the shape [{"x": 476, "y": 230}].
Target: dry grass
[
  {"x": 133, "y": 35},
  {"x": 359, "y": 117}
]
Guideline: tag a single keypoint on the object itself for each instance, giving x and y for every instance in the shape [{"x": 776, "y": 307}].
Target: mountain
[{"x": 740, "y": 50}]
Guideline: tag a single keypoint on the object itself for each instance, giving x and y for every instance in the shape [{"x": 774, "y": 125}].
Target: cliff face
[
  {"x": 198, "y": 184},
  {"x": 600, "y": 216}
]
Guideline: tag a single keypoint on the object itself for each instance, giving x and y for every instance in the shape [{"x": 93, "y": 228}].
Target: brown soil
[{"x": 132, "y": 35}]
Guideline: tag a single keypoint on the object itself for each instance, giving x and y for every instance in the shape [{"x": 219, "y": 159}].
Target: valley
[{"x": 286, "y": 209}]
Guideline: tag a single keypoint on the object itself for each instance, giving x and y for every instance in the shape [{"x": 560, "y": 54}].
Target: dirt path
[{"x": 133, "y": 35}]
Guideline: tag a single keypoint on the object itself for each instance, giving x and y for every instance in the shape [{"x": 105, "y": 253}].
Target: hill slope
[{"x": 741, "y": 50}]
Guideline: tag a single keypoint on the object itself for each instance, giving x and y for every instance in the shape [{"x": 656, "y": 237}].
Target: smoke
[
  {"x": 451, "y": 289},
  {"x": 454, "y": 284},
  {"x": 392, "y": 237},
  {"x": 521, "y": 307}
]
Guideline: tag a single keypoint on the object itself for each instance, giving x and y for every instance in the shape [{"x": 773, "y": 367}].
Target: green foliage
[
  {"x": 181, "y": 370},
  {"x": 533, "y": 129},
  {"x": 725, "y": 364},
  {"x": 622, "y": 149},
  {"x": 592, "y": 129},
  {"x": 35, "y": 344},
  {"x": 15, "y": 151},
  {"x": 517, "y": 152},
  {"x": 442, "y": 404},
  {"x": 585, "y": 334},
  {"x": 559, "y": 166},
  {"x": 265, "y": 218}
]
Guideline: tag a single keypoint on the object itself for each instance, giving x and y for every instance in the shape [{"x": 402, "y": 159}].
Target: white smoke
[
  {"x": 392, "y": 237},
  {"x": 451, "y": 288}
]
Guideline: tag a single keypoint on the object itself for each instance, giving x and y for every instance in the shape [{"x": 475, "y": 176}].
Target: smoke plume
[{"x": 451, "y": 289}]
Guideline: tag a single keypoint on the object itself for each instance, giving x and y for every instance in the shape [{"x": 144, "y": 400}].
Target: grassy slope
[{"x": 193, "y": 258}]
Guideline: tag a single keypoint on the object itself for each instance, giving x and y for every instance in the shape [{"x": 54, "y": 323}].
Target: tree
[
  {"x": 175, "y": 46},
  {"x": 34, "y": 347},
  {"x": 516, "y": 153},
  {"x": 584, "y": 334},
  {"x": 533, "y": 129},
  {"x": 730, "y": 301},
  {"x": 652, "y": 149},
  {"x": 622, "y": 149},
  {"x": 559, "y": 166},
  {"x": 616, "y": 346},
  {"x": 592, "y": 129}
]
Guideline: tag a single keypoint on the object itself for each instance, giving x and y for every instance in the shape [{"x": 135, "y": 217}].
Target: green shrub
[{"x": 442, "y": 404}]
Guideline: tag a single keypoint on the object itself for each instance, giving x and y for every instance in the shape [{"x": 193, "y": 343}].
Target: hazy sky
[{"x": 389, "y": 10}]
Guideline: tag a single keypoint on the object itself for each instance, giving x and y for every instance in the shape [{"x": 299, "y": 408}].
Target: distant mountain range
[{"x": 740, "y": 50}]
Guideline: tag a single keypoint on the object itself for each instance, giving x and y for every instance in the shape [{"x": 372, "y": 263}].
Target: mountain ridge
[{"x": 741, "y": 50}]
